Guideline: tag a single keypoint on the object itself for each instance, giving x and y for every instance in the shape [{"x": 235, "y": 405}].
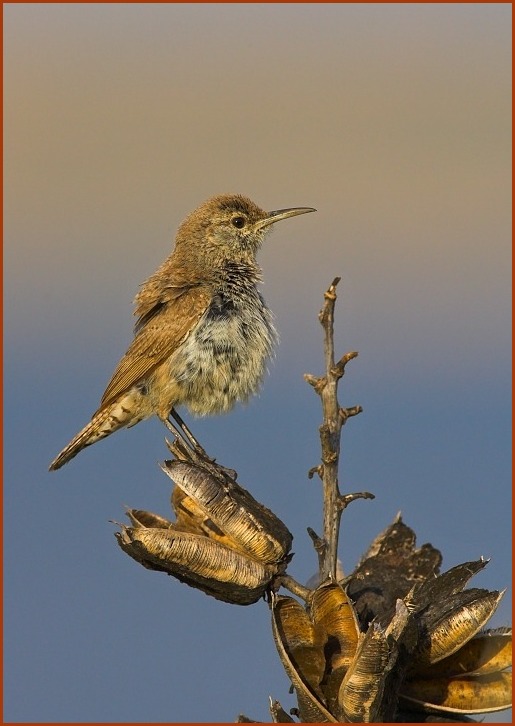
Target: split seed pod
[
  {"x": 300, "y": 645},
  {"x": 488, "y": 652},
  {"x": 331, "y": 609},
  {"x": 465, "y": 694},
  {"x": 234, "y": 511},
  {"x": 445, "y": 633},
  {"x": 224, "y": 542},
  {"x": 361, "y": 698}
]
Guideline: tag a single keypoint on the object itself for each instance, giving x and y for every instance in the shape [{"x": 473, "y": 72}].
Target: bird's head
[{"x": 229, "y": 227}]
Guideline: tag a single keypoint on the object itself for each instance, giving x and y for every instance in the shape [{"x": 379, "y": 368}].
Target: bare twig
[
  {"x": 330, "y": 432},
  {"x": 320, "y": 546},
  {"x": 295, "y": 587}
]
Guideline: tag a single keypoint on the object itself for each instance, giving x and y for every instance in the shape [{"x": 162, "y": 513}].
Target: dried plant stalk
[{"x": 330, "y": 433}]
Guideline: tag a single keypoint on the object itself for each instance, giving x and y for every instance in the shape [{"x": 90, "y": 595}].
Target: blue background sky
[{"x": 394, "y": 122}]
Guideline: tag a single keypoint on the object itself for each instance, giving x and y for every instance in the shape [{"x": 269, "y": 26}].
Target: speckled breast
[{"x": 225, "y": 357}]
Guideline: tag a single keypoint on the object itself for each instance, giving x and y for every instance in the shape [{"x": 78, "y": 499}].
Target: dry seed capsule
[
  {"x": 488, "y": 652},
  {"x": 141, "y": 518},
  {"x": 301, "y": 648},
  {"x": 457, "y": 626},
  {"x": 470, "y": 694},
  {"x": 331, "y": 608},
  {"x": 362, "y": 688},
  {"x": 202, "y": 563},
  {"x": 191, "y": 518},
  {"x": 234, "y": 511}
]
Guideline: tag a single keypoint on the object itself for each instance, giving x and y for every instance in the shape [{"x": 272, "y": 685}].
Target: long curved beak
[{"x": 282, "y": 214}]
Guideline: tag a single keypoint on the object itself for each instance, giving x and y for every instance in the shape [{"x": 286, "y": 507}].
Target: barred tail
[{"x": 106, "y": 421}]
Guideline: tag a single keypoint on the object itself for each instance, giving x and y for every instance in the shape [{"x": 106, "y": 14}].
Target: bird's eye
[{"x": 238, "y": 222}]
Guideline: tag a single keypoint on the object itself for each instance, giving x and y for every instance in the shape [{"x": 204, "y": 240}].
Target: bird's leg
[
  {"x": 192, "y": 441},
  {"x": 183, "y": 449},
  {"x": 199, "y": 453}
]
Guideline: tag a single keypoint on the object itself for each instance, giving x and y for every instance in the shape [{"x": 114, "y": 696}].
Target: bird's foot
[{"x": 187, "y": 446}]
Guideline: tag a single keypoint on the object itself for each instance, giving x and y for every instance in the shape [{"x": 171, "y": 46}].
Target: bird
[{"x": 204, "y": 334}]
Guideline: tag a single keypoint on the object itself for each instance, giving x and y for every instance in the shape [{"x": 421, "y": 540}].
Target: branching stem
[{"x": 335, "y": 417}]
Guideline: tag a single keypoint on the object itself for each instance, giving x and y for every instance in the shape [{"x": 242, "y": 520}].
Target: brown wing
[{"x": 160, "y": 329}]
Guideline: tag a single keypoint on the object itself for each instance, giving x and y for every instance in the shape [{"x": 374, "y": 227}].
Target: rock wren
[{"x": 204, "y": 333}]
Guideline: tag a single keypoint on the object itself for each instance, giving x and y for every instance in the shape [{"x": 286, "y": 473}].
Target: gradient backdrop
[{"x": 393, "y": 120}]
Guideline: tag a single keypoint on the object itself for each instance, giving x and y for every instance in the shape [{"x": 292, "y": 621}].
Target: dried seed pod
[
  {"x": 404, "y": 537},
  {"x": 331, "y": 608},
  {"x": 449, "y": 583},
  {"x": 465, "y": 613},
  {"x": 389, "y": 570},
  {"x": 468, "y": 694},
  {"x": 141, "y": 518},
  {"x": 362, "y": 688},
  {"x": 191, "y": 518},
  {"x": 234, "y": 511},
  {"x": 188, "y": 513},
  {"x": 223, "y": 542},
  {"x": 303, "y": 642},
  {"x": 300, "y": 645},
  {"x": 487, "y": 652},
  {"x": 198, "y": 561}
]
